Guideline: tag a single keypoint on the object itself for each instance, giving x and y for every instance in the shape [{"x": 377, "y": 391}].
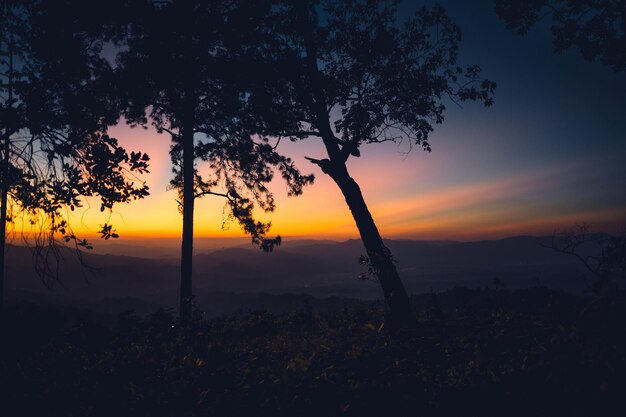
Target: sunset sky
[{"x": 548, "y": 154}]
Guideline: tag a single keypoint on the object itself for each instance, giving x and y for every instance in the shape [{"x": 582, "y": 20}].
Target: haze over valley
[{"x": 233, "y": 277}]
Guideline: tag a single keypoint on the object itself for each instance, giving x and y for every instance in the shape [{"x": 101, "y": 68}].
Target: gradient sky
[{"x": 548, "y": 154}]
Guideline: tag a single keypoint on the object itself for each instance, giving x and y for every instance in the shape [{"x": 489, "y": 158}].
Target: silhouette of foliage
[
  {"x": 178, "y": 69},
  {"x": 597, "y": 28},
  {"x": 602, "y": 255},
  {"x": 526, "y": 354},
  {"x": 54, "y": 111},
  {"x": 350, "y": 73}
]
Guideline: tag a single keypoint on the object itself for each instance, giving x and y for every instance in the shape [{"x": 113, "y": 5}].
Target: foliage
[
  {"x": 179, "y": 69},
  {"x": 54, "y": 113},
  {"x": 349, "y": 73},
  {"x": 380, "y": 79},
  {"x": 597, "y": 28},
  {"x": 524, "y": 354}
]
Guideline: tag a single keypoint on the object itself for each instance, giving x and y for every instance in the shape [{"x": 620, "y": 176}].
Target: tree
[
  {"x": 53, "y": 118},
  {"x": 597, "y": 28},
  {"x": 180, "y": 69},
  {"x": 350, "y": 75},
  {"x": 603, "y": 256}
]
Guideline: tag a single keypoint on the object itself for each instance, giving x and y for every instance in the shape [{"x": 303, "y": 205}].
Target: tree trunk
[
  {"x": 186, "y": 260},
  {"x": 3, "y": 219},
  {"x": 397, "y": 300},
  {"x": 4, "y": 183},
  {"x": 400, "y": 313}
]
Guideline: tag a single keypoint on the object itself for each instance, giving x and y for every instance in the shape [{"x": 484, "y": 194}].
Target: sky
[{"x": 548, "y": 155}]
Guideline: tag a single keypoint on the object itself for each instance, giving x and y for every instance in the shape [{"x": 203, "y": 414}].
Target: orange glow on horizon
[
  {"x": 480, "y": 210},
  {"x": 459, "y": 209}
]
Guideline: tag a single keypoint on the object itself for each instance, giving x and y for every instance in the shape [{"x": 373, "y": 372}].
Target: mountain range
[{"x": 226, "y": 279}]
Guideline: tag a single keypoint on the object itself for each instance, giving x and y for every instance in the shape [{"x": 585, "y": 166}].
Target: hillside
[{"x": 471, "y": 353}]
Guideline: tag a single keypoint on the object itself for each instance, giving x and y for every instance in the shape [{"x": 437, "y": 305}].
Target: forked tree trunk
[
  {"x": 400, "y": 313},
  {"x": 186, "y": 259}
]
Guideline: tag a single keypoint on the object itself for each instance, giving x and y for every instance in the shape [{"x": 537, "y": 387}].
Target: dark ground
[{"x": 473, "y": 353}]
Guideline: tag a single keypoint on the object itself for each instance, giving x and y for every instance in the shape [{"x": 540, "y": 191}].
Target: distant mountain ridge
[
  {"x": 320, "y": 269},
  {"x": 170, "y": 248}
]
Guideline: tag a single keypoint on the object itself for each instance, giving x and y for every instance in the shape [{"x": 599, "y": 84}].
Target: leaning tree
[
  {"x": 54, "y": 109},
  {"x": 350, "y": 73},
  {"x": 182, "y": 67}
]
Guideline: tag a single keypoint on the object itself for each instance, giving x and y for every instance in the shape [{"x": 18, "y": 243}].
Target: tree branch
[{"x": 200, "y": 194}]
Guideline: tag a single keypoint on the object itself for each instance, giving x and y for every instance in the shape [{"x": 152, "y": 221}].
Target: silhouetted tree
[
  {"x": 602, "y": 255},
  {"x": 352, "y": 75},
  {"x": 53, "y": 118},
  {"x": 181, "y": 68},
  {"x": 597, "y": 28}
]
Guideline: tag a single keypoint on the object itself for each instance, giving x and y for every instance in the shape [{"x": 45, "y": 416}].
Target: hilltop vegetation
[{"x": 473, "y": 352}]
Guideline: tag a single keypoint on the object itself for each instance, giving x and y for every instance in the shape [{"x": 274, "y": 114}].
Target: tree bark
[
  {"x": 4, "y": 183},
  {"x": 187, "y": 131},
  {"x": 3, "y": 219},
  {"x": 186, "y": 259},
  {"x": 400, "y": 313}
]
